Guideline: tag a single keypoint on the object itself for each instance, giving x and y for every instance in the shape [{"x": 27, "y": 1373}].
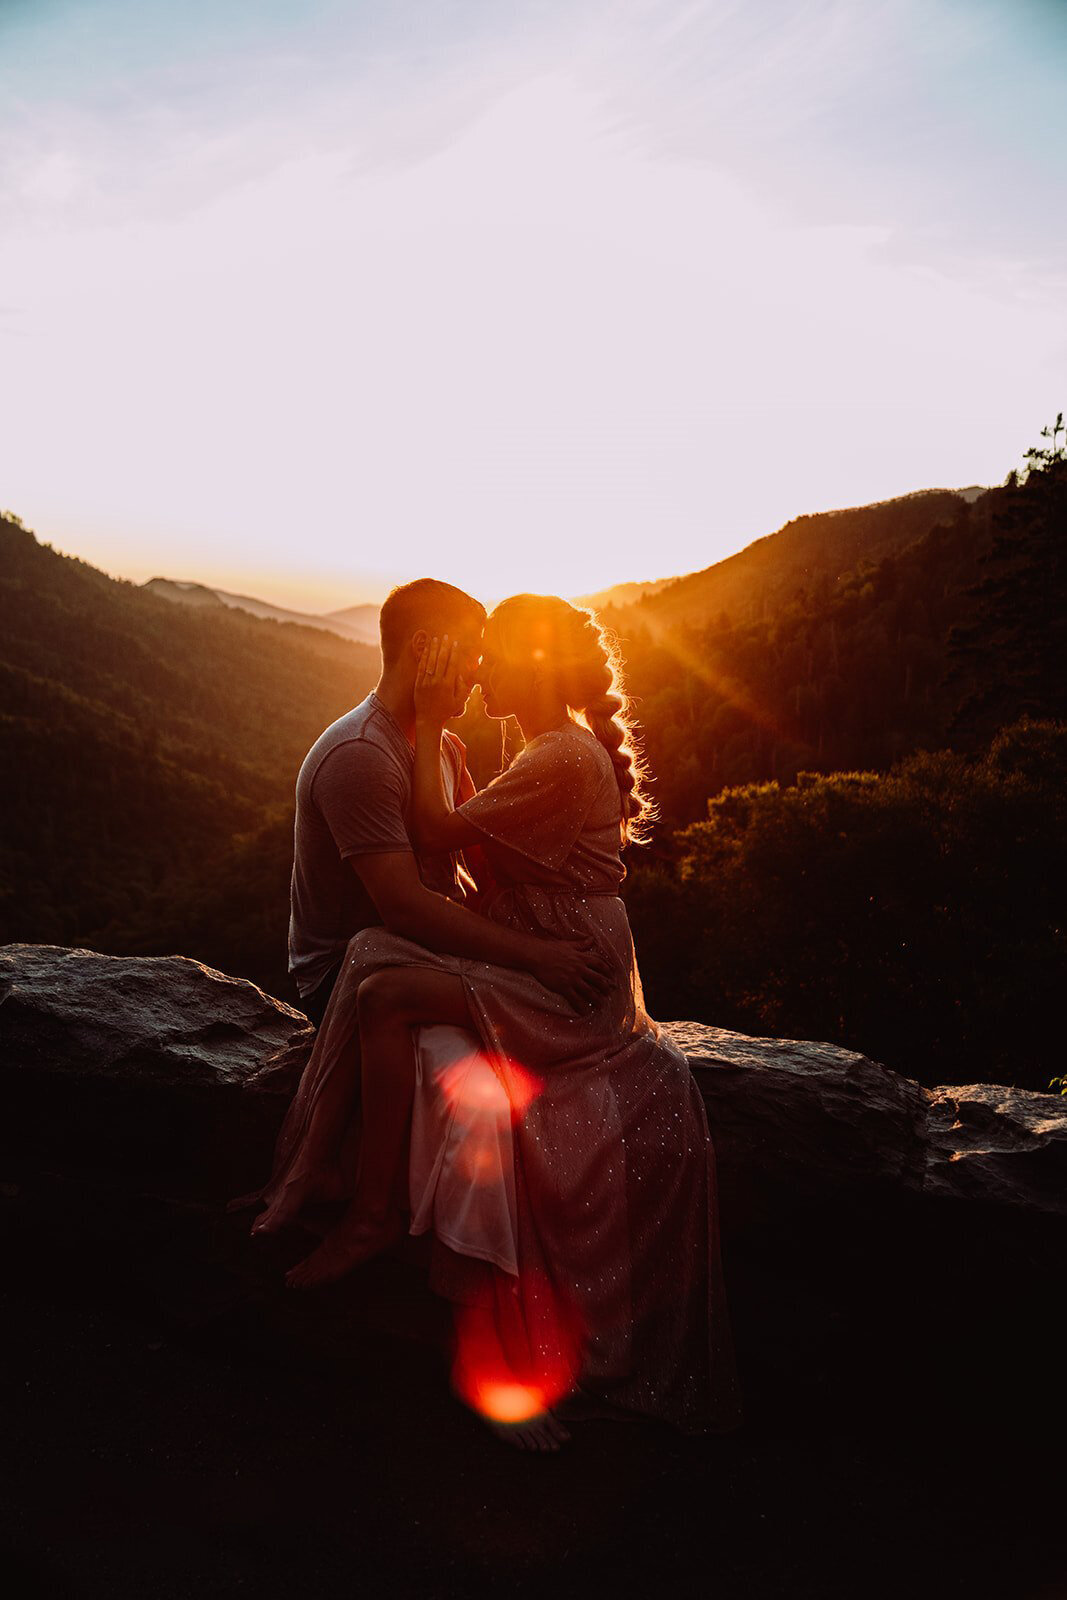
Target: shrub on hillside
[{"x": 916, "y": 915}]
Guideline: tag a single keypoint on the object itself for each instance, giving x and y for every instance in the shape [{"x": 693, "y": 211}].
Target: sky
[{"x": 303, "y": 300}]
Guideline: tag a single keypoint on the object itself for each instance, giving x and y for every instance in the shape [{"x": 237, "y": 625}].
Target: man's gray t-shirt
[{"x": 353, "y": 797}]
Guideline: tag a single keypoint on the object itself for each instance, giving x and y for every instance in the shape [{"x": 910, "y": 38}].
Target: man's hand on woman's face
[{"x": 436, "y": 687}]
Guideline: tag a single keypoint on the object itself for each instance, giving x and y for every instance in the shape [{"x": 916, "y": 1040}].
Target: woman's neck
[{"x": 542, "y": 718}]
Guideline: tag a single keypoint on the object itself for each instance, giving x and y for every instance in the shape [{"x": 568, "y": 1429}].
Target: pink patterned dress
[{"x": 568, "y": 1151}]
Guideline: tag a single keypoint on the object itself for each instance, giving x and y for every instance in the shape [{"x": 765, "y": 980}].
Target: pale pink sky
[{"x": 299, "y": 301}]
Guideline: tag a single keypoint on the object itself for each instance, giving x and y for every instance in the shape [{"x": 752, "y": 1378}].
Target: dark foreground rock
[
  {"x": 161, "y": 1069},
  {"x": 818, "y": 1120},
  {"x": 179, "y": 1424}
]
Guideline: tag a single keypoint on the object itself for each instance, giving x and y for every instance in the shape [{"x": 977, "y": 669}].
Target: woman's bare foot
[
  {"x": 348, "y": 1245},
  {"x": 325, "y": 1184},
  {"x": 544, "y": 1432}
]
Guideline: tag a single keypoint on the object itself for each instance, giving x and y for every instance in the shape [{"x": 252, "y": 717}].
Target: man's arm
[{"x": 569, "y": 968}]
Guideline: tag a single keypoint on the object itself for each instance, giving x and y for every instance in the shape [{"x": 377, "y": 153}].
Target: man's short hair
[{"x": 427, "y": 603}]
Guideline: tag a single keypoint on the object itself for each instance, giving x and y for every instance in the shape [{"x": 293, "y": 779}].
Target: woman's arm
[{"x": 436, "y": 826}]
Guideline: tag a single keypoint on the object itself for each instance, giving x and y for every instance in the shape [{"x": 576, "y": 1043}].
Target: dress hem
[{"x": 465, "y": 1249}]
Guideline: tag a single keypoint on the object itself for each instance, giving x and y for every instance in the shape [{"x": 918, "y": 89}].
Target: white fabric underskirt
[{"x": 462, "y": 1169}]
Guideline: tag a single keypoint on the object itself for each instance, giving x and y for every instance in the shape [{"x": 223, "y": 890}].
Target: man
[{"x": 354, "y": 864}]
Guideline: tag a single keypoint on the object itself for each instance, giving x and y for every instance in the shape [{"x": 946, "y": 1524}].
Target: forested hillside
[
  {"x": 898, "y": 883},
  {"x": 852, "y": 670},
  {"x": 140, "y": 739},
  {"x": 807, "y": 554},
  {"x": 904, "y": 902},
  {"x": 914, "y": 915}
]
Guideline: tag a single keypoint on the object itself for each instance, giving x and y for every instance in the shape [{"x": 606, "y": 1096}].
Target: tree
[{"x": 1008, "y": 655}]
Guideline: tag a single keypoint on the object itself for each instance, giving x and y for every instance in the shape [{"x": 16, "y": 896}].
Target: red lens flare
[
  {"x": 485, "y": 1103},
  {"x": 520, "y": 1356},
  {"x": 523, "y": 1088},
  {"x": 472, "y": 1086},
  {"x": 509, "y": 1402}
]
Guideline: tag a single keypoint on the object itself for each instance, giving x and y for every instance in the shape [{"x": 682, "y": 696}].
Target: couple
[{"x": 516, "y": 1099}]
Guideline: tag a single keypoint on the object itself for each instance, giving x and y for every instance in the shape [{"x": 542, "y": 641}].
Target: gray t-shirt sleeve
[{"x": 360, "y": 793}]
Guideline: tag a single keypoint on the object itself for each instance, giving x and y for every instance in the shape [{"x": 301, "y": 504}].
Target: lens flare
[
  {"x": 509, "y": 1402},
  {"x": 523, "y": 1088},
  {"x": 520, "y": 1356},
  {"x": 472, "y": 1087}
]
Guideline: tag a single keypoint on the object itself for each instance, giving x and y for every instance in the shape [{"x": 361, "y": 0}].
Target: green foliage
[
  {"x": 915, "y": 915},
  {"x": 1008, "y": 656}
]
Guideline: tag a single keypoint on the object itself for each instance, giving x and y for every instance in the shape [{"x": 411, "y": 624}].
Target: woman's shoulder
[
  {"x": 572, "y": 755},
  {"x": 568, "y": 736}
]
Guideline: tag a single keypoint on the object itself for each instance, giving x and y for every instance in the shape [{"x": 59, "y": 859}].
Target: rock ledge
[{"x": 162, "y": 1070}]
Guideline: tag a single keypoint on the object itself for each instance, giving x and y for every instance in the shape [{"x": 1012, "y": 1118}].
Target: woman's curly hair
[{"x": 584, "y": 658}]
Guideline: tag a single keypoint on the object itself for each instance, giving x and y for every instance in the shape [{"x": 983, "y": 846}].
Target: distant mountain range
[
  {"x": 354, "y": 622},
  {"x": 823, "y": 540},
  {"x": 359, "y": 623},
  {"x": 621, "y": 594}
]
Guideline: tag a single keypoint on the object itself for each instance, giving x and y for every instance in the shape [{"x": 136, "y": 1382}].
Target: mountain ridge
[
  {"x": 821, "y": 545},
  {"x": 358, "y": 623}
]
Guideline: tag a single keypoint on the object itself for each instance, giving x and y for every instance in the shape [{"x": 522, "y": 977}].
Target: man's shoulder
[
  {"x": 355, "y": 724},
  {"x": 364, "y": 728}
]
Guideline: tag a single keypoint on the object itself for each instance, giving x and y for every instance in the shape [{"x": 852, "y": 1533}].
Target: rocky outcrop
[
  {"x": 116, "y": 1017},
  {"x": 161, "y": 1071},
  {"x": 813, "y": 1117},
  {"x": 153, "y": 1071}
]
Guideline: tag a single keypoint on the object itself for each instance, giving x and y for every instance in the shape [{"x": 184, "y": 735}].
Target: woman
[{"x": 617, "y": 1289}]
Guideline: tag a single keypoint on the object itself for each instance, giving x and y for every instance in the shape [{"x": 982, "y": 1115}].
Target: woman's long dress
[{"x": 600, "y": 1197}]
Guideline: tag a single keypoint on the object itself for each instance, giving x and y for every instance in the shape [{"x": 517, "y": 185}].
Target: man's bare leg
[
  {"x": 319, "y": 1174},
  {"x": 392, "y": 1002}
]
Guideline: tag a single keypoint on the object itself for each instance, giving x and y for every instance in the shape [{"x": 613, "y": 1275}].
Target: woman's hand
[{"x": 435, "y": 682}]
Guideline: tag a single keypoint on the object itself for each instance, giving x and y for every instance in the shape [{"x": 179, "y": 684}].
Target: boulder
[
  {"x": 988, "y": 1142},
  {"x": 810, "y": 1119},
  {"x": 118, "y": 1017},
  {"x": 137, "y": 1070},
  {"x": 160, "y": 1072}
]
